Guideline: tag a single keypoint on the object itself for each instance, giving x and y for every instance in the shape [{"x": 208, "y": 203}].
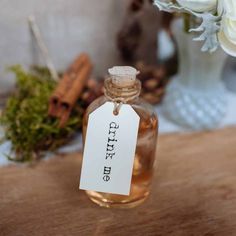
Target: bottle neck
[{"x": 119, "y": 93}]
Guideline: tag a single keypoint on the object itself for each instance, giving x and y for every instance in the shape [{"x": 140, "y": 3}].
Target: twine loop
[
  {"x": 121, "y": 95},
  {"x": 119, "y": 101}
]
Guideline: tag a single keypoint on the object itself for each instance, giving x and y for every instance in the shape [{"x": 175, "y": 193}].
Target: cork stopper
[{"x": 123, "y": 76}]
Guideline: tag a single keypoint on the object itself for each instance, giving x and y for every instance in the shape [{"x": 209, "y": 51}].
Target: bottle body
[{"x": 143, "y": 160}]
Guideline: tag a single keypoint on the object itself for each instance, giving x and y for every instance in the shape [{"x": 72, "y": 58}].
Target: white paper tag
[{"x": 109, "y": 150}]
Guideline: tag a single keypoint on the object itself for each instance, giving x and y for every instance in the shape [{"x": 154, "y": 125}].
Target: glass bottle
[{"x": 146, "y": 141}]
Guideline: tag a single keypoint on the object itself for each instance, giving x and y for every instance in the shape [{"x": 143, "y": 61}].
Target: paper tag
[{"x": 109, "y": 150}]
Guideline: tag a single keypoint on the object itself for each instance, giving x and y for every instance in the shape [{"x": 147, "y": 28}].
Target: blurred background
[
  {"x": 124, "y": 32},
  {"x": 68, "y": 28}
]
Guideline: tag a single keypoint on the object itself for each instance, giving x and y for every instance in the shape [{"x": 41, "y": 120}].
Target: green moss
[{"x": 25, "y": 118}]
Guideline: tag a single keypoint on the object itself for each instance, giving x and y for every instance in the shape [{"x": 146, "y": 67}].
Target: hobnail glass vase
[{"x": 196, "y": 97}]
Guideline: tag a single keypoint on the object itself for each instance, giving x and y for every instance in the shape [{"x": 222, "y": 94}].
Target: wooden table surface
[{"x": 193, "y": 193}]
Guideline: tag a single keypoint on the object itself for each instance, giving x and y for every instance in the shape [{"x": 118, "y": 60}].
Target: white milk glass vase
[{"x": 196, "y": 97}]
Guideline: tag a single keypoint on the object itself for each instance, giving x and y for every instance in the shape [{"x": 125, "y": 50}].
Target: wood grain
[{"x": 193, "y": 194}]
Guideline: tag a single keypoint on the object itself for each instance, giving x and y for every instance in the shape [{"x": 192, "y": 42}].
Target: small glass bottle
[{"x": 146, "y": 141}]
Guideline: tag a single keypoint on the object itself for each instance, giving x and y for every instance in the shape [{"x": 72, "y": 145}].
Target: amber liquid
[{"x": 143, "y": 160}]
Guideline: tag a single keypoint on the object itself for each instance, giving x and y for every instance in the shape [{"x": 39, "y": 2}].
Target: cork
[{"x": 123, "y": 75}]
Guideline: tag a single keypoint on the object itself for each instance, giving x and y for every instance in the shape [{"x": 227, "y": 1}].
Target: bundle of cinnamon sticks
[{"x": 69, "y": 89}]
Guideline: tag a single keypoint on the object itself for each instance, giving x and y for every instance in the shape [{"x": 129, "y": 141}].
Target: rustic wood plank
[{"x": 193, "y": 193}]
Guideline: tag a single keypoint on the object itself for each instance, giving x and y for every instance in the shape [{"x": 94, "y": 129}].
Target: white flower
[
  {"x": 227, "y": 34},
  {"x": 219, "y": 21},
  {"x": 199, "y": 5}
]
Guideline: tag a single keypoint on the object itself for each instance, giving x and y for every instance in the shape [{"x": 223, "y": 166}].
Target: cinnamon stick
[{"x": 70, "y": 98}]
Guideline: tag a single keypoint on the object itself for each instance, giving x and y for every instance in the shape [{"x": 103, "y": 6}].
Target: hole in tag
[
  {"x": 117, "y": 107},
  {"x": 115, "y": 112}
]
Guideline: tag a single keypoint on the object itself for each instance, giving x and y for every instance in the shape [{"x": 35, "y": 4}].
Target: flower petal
[
  {"x": 198, "y": 5},
  {"x": 227, "y": 46}
]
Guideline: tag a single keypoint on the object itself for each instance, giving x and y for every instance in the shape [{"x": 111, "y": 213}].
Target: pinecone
[
  {"x": 154, "y": 80},
  {"x": 92, "y": 90}
]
